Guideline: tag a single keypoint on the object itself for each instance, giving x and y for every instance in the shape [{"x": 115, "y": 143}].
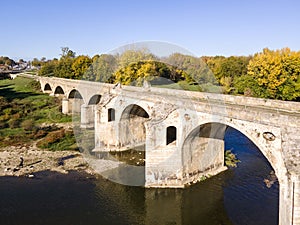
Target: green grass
[{"x": 21, "y": 100}]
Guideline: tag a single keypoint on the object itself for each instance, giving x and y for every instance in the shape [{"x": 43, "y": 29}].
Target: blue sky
[{"x": 217, "y": 27}]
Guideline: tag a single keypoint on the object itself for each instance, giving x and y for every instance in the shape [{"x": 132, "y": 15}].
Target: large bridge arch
[
  {"x": 132, "y": 129},
  {"x": 271, "y": 149},
  {"x": 75, "y": 101}
]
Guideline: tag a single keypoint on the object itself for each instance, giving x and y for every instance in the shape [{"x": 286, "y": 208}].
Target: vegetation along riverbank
[{"x": 34, "y": 134}]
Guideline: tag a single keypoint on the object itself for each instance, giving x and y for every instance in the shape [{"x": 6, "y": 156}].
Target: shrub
[
  {"x": 28, "y": 125},
  {"x": 3, "y": 125},
  {"x": 40, "y": 134},
  {"x": 51, "y": 138},
  {"x": 35, "y": 85},
  {"x": 13, "y": 123}
]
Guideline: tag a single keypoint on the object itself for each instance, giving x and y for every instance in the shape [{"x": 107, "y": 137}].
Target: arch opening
[
  {"x": 94, "y": 100},
  {"x": 132, "y": 131},
  {"x": 47, "y": 87},
  {"x": 75, "y": 101},
  {"x": 171, "y": 135},
  {"x": 59, "y": 90},
  {"x": 204, "y": 151},
  {"x": 75, "y": 94}
]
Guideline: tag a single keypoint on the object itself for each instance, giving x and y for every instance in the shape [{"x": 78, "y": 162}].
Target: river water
[{"x": 237, "y": 196}]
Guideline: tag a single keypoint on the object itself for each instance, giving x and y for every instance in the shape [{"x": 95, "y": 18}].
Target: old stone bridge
[{"x": 183, "y": 132}]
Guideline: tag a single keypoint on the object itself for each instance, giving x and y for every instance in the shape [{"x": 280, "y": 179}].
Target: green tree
[
  {"x": 228, "y": 69},
  {"x": 102, "y": 69},
  {"x": 48, "y": 68},
  {"x": 195, "y": 68},
  {"x": 64, "y": 65}
]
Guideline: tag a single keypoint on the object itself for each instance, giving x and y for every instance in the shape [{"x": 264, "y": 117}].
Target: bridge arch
[
  {"x": 94, "y": 100},
  {"x": 132, "y": 130},
  {"x": 47, "y": 87},
  {"x": 75, "y": 101},
  {"x": 216, "y": 130},
  {"x": 58, "y": 90},
  {"x": 74, "y": 93}
]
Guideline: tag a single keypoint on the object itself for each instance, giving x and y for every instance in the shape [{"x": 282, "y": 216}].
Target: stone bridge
[{"x": 183, "y": 132}]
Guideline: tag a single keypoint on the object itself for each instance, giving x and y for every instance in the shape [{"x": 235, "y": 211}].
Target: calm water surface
[{"x": 237, "y": 196}]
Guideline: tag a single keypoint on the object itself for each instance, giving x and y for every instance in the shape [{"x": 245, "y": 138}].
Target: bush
[
  {"x": 13, "y": 123},
  {"x": 35, "y": 85},
  {"x": 3, "y": 125},
  {"x": 51, "y": 138},
  {"x": 28, "y": 125}
]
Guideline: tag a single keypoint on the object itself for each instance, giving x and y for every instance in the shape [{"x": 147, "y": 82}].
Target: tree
[
  {"x": 64, "y": 68},
  {"x": 136, "y": 72},
  {"x": 132, "y": 56},
  {"x": 102, "y": 69},
  {"x": 80, "y": 66},
  {"x": 48, "y": 68},
  {"x": 67, "y": 53},
  {"x": 228, "y": 69},
  {"x": 276, "y": 73},
  {"x": 196, "y": 69},
  {"x": 64, "y": 65},
  {"x": 36, "y": 63}
]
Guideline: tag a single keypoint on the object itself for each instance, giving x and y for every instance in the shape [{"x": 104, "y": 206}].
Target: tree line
[{"x": 273, "y": 74}]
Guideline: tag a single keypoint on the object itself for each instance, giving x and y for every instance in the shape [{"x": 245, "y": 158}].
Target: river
[{"x": 237, "y": 196}]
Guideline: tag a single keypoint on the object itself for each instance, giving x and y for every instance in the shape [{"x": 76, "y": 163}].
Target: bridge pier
[
  {"x": 65, "y": 106},
  {"x": 87, "y": 116}
]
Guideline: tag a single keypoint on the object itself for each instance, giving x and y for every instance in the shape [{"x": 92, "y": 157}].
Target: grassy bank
[{"x": 24, "y": 111}]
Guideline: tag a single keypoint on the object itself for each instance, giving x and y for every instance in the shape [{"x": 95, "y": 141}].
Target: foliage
[
  {"x": 23, "y": 108},
  {"x": 269, "y": 74},
  {"x": 134, "y": 56},
  {"x": 28, "y": 125},
  {"x": 136, "y": 72},
  {"x": 227, "y": 69},
  {"x": 48, "y": 68},
  {"x": 230, "y": 159},
  {"x": 276, "y": 74},
  {"x": 4, "y": 60},
  {"x": 102, "y": 69},
  {"x": 80, "y": 66},
  {"x": 195, "y": 68},
  {"x": 58, "y": 140},
  {"x": 64, "y": 69}
]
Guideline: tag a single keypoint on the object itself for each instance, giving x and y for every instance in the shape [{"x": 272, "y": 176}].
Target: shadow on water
[{"x": 237, "y": 196}]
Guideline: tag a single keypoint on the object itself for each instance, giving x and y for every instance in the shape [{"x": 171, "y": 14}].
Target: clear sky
[{"x": 31, "y": 28}]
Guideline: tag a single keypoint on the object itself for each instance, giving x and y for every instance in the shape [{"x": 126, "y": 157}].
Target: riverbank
[{"x": 27, "y": 160}]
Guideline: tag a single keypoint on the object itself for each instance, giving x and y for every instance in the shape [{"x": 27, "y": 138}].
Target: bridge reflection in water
[{"x": 237, "y": 196}]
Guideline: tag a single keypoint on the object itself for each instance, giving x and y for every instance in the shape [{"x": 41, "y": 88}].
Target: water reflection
[{"x": 237, "y": 196}]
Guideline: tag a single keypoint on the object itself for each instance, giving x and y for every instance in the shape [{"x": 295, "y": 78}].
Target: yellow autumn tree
[
  {"x": 276, "y": 74},
  {"x": 80, "y": 66}
]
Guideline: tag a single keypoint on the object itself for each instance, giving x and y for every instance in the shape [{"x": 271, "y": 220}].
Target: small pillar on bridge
[{"x": 65, "y": 106}]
